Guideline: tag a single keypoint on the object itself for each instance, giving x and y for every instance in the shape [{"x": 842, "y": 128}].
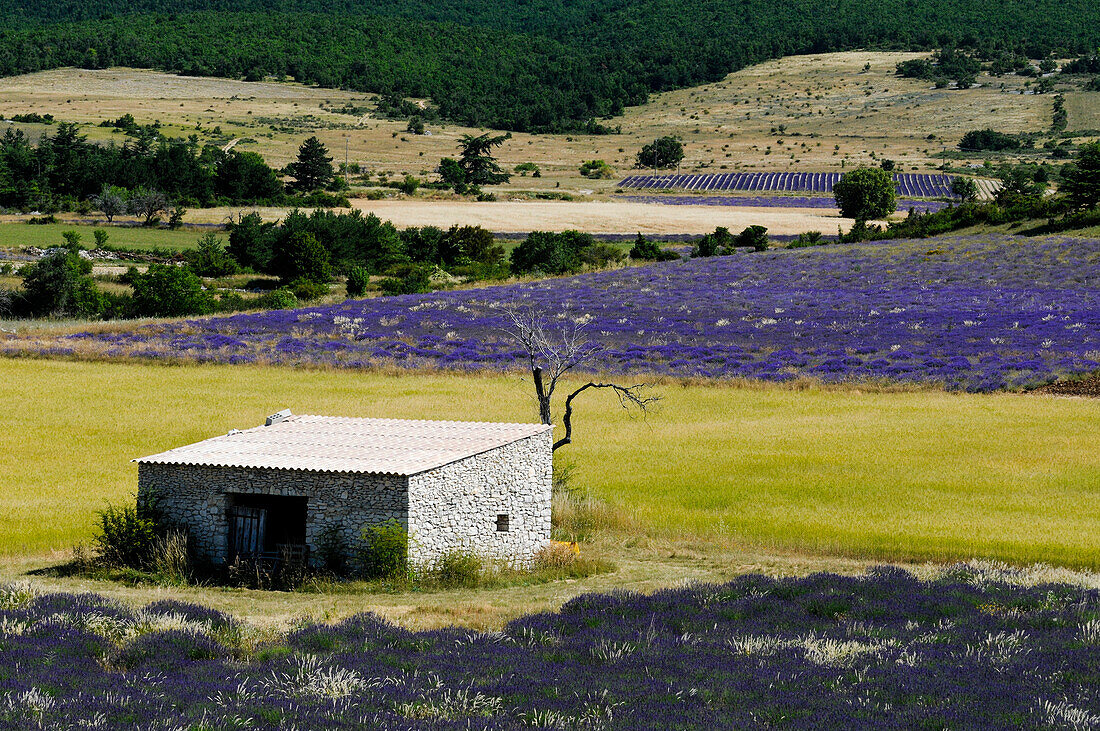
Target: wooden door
[{"x": 247, "y": 527}]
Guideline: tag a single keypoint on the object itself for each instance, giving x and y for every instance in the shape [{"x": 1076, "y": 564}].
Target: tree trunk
[{"x": 544, "y": 400}]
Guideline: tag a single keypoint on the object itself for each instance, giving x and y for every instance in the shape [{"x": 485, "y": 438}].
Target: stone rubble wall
[
  {"x": 455, "y": 507},
  {"x": 197, "y": 497}
]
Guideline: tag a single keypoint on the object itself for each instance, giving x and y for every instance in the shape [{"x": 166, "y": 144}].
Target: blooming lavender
[
  {"x": 972, "y": 313},
  {"x": 923, "y": 185},
  {"x": 770, "y": 201},
  {"x": 967, "y": 647}
]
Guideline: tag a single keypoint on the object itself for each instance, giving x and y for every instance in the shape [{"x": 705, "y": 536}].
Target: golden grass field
[{"x": 900, "y": 475}]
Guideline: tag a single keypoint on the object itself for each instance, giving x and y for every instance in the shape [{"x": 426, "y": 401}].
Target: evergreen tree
[
  {"x": 1081, "y": 179},
  {"x": 477, "y": 161},
  {"x": 313, "y": 168}
]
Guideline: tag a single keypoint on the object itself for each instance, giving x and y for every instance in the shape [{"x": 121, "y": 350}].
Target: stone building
[{"x": 475, "y": 486}]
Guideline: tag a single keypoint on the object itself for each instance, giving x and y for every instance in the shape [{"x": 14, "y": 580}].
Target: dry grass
[{"x": 834, "y": 112}]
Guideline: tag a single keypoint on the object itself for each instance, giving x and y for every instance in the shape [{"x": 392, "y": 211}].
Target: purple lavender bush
[
  {"x": 972, "y": 313},
  {"x": 974, "y": 647}
]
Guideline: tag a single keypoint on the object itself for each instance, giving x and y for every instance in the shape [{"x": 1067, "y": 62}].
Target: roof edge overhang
[{"x": 152, "y": 459}]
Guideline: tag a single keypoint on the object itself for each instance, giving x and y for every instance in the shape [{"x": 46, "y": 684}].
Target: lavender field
[
  {"x": 975, "y": 646},
  {"x": 971, "y": 313},
  {"x": 923, "y": 185},
  {"x": 770, "y": 201}
]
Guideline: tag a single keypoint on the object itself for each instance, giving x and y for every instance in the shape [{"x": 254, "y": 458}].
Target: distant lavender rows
[
  {"x": 967, "y": 650},
  {"x": 771, "y": 201},
  {"x": 972, "y": 313},
  {"x": 923, "y": 185}
]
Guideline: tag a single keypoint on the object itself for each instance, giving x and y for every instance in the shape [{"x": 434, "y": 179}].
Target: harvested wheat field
[{"x": 599, "y": 216}]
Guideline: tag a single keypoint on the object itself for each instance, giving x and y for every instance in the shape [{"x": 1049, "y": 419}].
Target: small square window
[{"x": 502, "y": 522}]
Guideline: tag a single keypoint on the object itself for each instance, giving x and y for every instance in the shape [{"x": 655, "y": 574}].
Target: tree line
[
  {"x": 547, "y": 66},
  {"x": 148, "y": 174}
]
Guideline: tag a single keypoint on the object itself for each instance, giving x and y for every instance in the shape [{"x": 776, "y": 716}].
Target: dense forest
[{"x": 535, "y": 65}]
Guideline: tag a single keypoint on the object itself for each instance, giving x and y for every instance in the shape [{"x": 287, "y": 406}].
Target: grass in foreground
[{"x": 898, "y": 476}]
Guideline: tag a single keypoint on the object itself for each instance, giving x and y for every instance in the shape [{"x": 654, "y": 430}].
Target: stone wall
[
  {"x": 456, "y": 506},
  {"x": 448, "y": 508},
  {"x": 196, "y": 497}
]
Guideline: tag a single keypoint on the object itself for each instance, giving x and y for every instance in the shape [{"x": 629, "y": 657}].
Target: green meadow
[
  {"x": 13, "y": 235},
  {"x": 922, "y": 475}
]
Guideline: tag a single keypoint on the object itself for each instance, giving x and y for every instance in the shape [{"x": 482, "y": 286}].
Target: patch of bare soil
[{"x": 1088, "y": 386}]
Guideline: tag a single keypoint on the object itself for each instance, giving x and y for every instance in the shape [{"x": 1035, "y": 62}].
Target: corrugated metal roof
[{"x": 344, "y": 444}]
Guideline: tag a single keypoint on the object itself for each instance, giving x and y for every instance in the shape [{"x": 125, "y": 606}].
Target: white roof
[{"x": 344, "y": 444}]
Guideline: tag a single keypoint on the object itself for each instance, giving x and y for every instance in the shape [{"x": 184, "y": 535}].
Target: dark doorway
[{"x": 265, "y": 525}]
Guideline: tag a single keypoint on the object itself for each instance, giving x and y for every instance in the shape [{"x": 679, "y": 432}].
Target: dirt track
[{"x": 600, "y": 216}]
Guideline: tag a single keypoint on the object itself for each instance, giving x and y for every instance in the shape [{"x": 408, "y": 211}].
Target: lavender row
[
  {"x": 921, "y": 185},
  {"x": 772, "y": 201},
  {"x": 884, "y": 651}
]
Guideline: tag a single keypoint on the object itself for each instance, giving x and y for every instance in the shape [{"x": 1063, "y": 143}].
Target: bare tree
[
  {"x": 111, "y": 201},
  {"x": 147, "y": 203},
  {"x": 552, "y": 352}
]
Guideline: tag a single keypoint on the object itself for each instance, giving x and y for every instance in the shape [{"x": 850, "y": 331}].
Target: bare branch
[
  {"x": 629, "y": 396},
  {"x": 551, "y": 353}
]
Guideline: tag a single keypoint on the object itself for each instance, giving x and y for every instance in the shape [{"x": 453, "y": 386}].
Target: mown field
[
  {"x": 893, "y": 476},
  {"x": 44, "y": 236}
]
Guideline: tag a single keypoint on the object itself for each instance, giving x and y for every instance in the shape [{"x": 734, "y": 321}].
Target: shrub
[
  {"x": 301, "y": 256},
  {"x": 988, "y": 139},
  {"x": 279, "y": 299},
  {"x": 596, "y": 170},
  {"x": 307, "y": 290},
  {"x": 556, "y": 555},
  {"x": 126, "y": 536},
  {"x": 210, "y": 259},
  {"x": 809, "y": 238},
  {"x": 409, "y": 185},
  {"x": 719, "y": 242},
  {"x": 231, "y": 302},
  {"x": 171, "y": 556},
  {"x": 646, "y": 250},
  {"x": 61, "y": 284},
  {"x": 600, "y": 255},
  {"x": 358, "y": 279},
  {"x": 384, "y": 552},
  {"x": 169, "y": 291},
  {"x": 416, "y": 280},
  {"x": 552, "y": 253},
  {"x": 457, "y": 570},
  {"x": 753, "y": 237}
]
